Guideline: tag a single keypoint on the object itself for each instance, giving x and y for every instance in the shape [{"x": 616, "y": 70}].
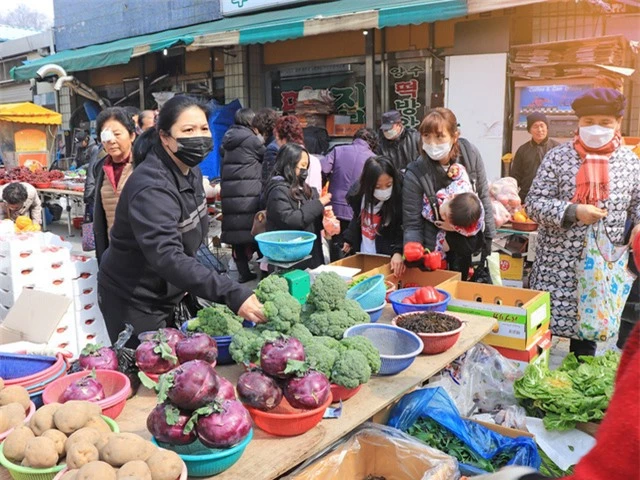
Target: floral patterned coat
[{"x": 559, "y": 245}]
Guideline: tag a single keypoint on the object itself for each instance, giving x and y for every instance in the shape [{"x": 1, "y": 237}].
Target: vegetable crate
[
  {"x": 365, "y": 262},
  {"x": 537, "y": 354},
  {"x": 523, "y": 315},
  {"x": 511, "y": 266}
]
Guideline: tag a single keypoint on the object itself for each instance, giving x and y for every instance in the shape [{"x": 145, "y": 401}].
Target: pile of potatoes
[
  {"x": 74, "y": 433},
  {"x": 14, "y": 405}
]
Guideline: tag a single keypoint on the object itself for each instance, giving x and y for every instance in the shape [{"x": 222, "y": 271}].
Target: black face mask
[
  {"x": 302, "y": 176},
  {"x": 192, "y": 150}
]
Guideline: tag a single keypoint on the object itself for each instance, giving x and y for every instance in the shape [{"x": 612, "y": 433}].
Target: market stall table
[
  {"x": 268, "y": 457},
  {"x": 54, "y": 192}
]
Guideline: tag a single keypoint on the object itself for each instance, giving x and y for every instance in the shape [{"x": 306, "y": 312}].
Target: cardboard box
[
  {"x": 536, "y": 354},
  {"x": 511, "y": 267},
  {"x": 364, "y": 262},
  {"x": 424, "y": 279},
  {"x": 523, "y": 315},
  {"x": 34, "y": 317}
]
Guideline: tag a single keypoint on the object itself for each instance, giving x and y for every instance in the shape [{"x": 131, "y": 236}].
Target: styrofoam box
[
  {"x": 85, "y": 285},
  {"x": 58, "y": 283},
  {"x": 8, "y": 298},
  {"x": 19, "y": 244},
  {"x": 3, "y": 312},
  {"x": 92, "y": 331},
  {"x": 92, "y": 313},
  {"x": 83, "y": 266},
  {"x": 14, "y": 263},
  {"x": 85, "y": 301},
  {"x": 27, "y": 278},
  {"x": 65, "y": 334}
]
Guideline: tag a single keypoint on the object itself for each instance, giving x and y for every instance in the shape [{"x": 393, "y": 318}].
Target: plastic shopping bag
[
  {"x": 604, "y": 283},
  {"x": 379, "y": 451},
  {"x": 434, "y": 403}
]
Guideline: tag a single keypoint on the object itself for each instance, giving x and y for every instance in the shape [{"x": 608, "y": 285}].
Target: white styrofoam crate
[
  {"x": 57, "y": 283},
  {"x": 27, "y": 278},
  {"x": 85, "y": 285},
  {"x": 83, "y": 266},
  {"x": 92, "y": 331},
  {"x": 17, "y": 244},
  {"x": 14, "y": 263},
  {"x": 3, "y": 312},
  {"x": 65, "y": 334},
  {"x": 85, "y": 301},
  {"x": 85, "y": 314},
  {"x": 8, "y": 298}
]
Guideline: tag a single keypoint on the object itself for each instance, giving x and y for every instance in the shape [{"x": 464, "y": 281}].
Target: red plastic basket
[
  {"x": 338, "y": 392},
  {"x": 117, "y": 389},
  {"x": 435, "y": 343},
  {"x": 286, "y": 421}
]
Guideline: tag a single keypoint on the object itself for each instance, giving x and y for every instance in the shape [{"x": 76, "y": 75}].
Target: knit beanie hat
[{"x": 536, "y": 117}]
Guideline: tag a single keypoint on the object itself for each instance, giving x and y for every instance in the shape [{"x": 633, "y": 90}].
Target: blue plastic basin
[
  {"x": 286, "y": 245},
  {"x": 369, "y": 293},
  {"x": 398, "y": 347},
  {"x": 16, "y": 365}
]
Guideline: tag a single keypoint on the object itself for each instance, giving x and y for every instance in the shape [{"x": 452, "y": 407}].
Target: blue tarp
[{"x": 220, "y": 120}]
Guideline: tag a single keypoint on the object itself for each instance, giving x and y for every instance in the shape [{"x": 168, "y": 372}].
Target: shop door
[{"x": 475, "y": 90}]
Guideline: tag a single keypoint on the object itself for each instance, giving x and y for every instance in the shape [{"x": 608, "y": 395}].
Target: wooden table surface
[
  {"x": 56, "y": 191},
  {"x": 268, "y": 457}
]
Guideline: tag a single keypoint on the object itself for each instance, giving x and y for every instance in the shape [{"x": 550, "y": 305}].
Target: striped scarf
[{"x": 592, "y": 180}]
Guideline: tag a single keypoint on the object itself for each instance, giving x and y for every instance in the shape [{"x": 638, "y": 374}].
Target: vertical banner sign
[{"x": 407, "y": 91}]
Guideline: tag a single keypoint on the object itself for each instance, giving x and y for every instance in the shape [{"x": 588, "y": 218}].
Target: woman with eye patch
[{"x": 116, "y": 131}]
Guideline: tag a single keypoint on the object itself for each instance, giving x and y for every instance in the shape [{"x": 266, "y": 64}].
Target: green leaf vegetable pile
[
  {"x": 575, "y": 392},
  {"x": 347, "y": 362},
  {"x": 437, "y": 436}
]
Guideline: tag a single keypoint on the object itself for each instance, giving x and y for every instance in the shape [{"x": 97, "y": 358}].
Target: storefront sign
[
  {"x": 348, "y": 101},
  {"x": 236, "y": 7},
  {"x": 407, "y": 91}
]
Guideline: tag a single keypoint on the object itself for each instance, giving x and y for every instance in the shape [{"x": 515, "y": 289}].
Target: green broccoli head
[
  {"x": 327, "y": 291},
  {"x": 282, "y": 312},
  {"x": 270, "y": 286},
  {"x": 332, "y": 324},
  {"x": 351, "y": 369},
  {"x": 216, "y": 320},
  {"x": 320, "y": 356},
  {"x": 330, "y": 342},
  {"x": 300, "y": 332},
  {"x": 354, "y": 311},
  {"x": 245, "y": 346},
  {"x": 364, "y": 345}
]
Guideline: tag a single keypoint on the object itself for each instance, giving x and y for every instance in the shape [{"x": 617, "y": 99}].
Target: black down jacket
[{"x": 240, "y": 183}]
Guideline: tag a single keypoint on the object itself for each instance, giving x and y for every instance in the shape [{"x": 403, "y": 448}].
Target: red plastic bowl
[
  {"x": 286, "y": 421},
  {"x": 40, "y": 376},
  {"x": 42, "y": 184},
  {"x": 117, "y": 389},
  {"x": 30, "y": 412},
  {"x": 434, "y": 343},
  {"x": 338, "y": 392}
]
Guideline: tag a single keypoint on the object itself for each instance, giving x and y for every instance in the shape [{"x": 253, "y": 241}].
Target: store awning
[
  {"x": 28, "y": 112},
  {"x": 272, "y": 26}
]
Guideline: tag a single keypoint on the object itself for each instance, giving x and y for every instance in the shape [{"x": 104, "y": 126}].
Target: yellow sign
[{"x": 31, "y": 140}]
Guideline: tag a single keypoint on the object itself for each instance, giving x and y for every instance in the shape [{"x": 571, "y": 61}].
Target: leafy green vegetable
[
  {"x": 437, "y": 436},
  {"x": 550, "y": 469},
  {"x": 216, "y": 320},
  {"x": 575, "y": 392}
]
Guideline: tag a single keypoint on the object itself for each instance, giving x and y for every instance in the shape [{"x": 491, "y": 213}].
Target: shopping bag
[
  {"x": 604, "y": 283},
  {"x": 187, "y": 309}
]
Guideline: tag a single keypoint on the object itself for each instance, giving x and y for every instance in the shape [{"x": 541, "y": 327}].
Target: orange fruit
[
  {"x": 520, "y": 217},
  {"x": 22, "y": 222}
]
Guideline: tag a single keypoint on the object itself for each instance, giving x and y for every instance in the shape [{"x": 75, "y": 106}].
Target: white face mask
[
  {"x": 596, "y": 136},
  {"x": 392, "y": 133},
  {"x": 438, "y": 151},
  {"x": 383, "y": 194}
]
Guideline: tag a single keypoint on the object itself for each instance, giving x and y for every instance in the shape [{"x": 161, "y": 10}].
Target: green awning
[{"x": 265, "y": 27}]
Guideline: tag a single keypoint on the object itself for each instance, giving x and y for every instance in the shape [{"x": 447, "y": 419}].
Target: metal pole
[
  {"x": 370, "y": 77},
  {"x": 141, "y": 93}
]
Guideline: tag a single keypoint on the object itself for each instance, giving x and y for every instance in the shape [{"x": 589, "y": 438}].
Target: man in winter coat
[
  {"x": 86, "y": 150},
  {"x": 529, "y": 156},
  {"x": 241, "y": 186},
  {"x": 399, "y": 143}
]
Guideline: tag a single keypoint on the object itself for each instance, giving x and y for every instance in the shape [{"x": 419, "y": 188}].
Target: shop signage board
[
  {"x": 407, "y": 91},
  {"x": 349, "y": 100},
  {"x": 237, "y": 7}
]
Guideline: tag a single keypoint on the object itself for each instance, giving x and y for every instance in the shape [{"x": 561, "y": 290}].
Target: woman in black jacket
[
  {"x": 161, "y": 221},
  {"x": 291, "y": 203},
  {"x": 241, "y": 186},
  {"x": 376, "y": 227},
  {"x": 442, "y": 147}
]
